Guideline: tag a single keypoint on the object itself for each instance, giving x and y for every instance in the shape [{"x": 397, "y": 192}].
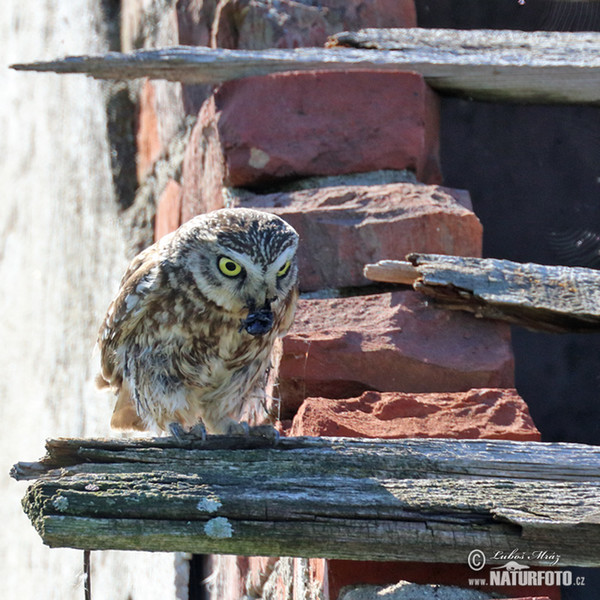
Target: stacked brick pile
[{"x": 351, "y": 161}]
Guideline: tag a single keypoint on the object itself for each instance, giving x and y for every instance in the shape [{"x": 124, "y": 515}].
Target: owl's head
[{"x": 242, "y": 260}]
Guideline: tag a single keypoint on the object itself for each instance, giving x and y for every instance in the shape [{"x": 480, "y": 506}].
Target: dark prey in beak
[{"x": 258, "y": 322}]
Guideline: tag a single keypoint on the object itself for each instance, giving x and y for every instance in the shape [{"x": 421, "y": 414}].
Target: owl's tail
[
  {"x": 100, "y": 382},
  {"x": 124, "y": 415}
]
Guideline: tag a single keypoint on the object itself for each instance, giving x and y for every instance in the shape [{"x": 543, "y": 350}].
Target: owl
[{"x": 188, "y": 338}]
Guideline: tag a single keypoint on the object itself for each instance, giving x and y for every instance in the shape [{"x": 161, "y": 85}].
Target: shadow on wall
[
  {"x": 534, "y": 177},
  {"x": 535, "y": 185}
]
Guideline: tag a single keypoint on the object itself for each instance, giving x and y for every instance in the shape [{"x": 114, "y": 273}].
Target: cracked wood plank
[
  {"x": 546, "y": 67},
  {"x": 540, "y": 297},
  {"x": 417, "y": 500}
]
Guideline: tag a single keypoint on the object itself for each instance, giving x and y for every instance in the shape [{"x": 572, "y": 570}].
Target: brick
[
  {"x": 151, "y": 24},
  {"x": 392, "y": 342},
  {"x": 193, "y": 27},
  {"x": 342, "y": 573},
  {"x": 405, "y": 590},
  {"x": 235, "y": 577},
  {"x": 194, "y": 21},
  {"x": 168, "y": 210},
  {"x": 228, "y": 576},
  {"x": 149, "y": 145},
  {"x": 258, "y": 571},
  {"x": 252, "y": 24},
  {"x": 203, "y": 170},
  {"x": 343, "y": 228},
  {"x": 258, "y": 131},
  {"x": 478, "y": 413}
]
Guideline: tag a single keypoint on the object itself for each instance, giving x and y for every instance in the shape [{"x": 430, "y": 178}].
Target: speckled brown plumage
[{"x": 189, "y": 335}]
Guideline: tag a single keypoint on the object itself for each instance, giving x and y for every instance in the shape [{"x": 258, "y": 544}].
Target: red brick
[
  {"x": 290, "y": 24},
  {"x": 262, "y": 577},
  {"x": 149, "y": 146},
  {"x": 479, "y": 413},
  {"x": 261, "y": 130},
  {"x": 168, "y": 210},
  {"x": 340, "y": 348},
  {"x": 228, "y": 580},
  {"x": 203, "y": 169},
  {"x": 258, "y": 570},
  {"x": 343, "y": 228}
]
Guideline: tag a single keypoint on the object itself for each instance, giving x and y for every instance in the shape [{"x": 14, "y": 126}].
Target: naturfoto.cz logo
[{"x": 514, "y": 573}]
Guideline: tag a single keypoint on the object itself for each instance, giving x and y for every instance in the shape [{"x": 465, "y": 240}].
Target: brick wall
[{"x": 351, "y": 160}]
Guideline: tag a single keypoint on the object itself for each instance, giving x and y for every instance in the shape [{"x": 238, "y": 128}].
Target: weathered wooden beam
[
  {"x": 425, "y": 500},
  {"x": 495, "y": 64},
  {"x": 546, "y": 298},
  {"x": 506, "y": 65}
]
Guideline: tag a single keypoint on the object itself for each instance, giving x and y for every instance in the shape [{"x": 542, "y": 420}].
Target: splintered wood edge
[
  {"x": 392, "y": 271},
  {"x": 543, "y": 67}
]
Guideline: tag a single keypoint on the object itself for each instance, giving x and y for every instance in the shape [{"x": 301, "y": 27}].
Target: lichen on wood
[{"x": 426, "y": 500}]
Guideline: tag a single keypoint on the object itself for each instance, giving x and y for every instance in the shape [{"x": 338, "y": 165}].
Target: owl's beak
[{"x": 258, "y": 322}]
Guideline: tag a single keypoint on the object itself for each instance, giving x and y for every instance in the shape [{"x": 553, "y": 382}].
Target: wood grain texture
[
  {"x": 546, "y": 298},
  {"x": 546, "y": 67},
  {"x": 424, "y": 500}
]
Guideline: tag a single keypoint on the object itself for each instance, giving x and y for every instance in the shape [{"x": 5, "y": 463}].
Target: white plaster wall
[{"x": 61, "y": 257}]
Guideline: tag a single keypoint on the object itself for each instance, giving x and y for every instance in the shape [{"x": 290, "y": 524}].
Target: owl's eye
[
  {"x": 284, "y": 269},
  {"x": 229, "y": 267}
]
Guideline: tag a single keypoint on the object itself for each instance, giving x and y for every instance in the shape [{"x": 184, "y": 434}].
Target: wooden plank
[
  {"x": 502, "y": 65},
  {"x": 546, "y": 298},
  {"x": 392, "y": 271},
  {"x": 423, "y": 500},
  {"x": 495, "y": 64}
]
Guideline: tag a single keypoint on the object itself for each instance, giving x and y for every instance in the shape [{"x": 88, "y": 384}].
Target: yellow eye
[
  {"x": 229, "y": 267},
  {"x": 284, "y": 269}
]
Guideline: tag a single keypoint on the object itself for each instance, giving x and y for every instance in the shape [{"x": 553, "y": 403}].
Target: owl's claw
[
  {"x": 268, "y": 432},
  {"x": 198, "y": 431},
  {"x": 235, "y": 428},
  {"x": 177, "y": 431}
]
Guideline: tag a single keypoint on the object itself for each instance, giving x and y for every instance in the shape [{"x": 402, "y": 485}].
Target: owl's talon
[
  {"x": 268, "y": 432},
  {"x": 177, "y": 431},
  {"x": 235, "y": 428},
  {"x": 198, "y": 431}
]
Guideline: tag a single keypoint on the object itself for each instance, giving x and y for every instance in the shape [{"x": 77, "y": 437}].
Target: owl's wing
[
  {"x": 290, "y": 311},
  {"x": 136, "y": 295}
]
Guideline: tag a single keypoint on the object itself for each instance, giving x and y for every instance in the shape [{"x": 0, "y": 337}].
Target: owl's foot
[
  {"x": 267, "y": 432},
  {"x": 198, "y": 431},
  {"x": 177, "y": 431},
  {"x": 235, "y": 428}
]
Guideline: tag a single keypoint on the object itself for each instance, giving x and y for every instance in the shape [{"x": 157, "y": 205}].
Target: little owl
[{"x": 188, "y": 338}]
